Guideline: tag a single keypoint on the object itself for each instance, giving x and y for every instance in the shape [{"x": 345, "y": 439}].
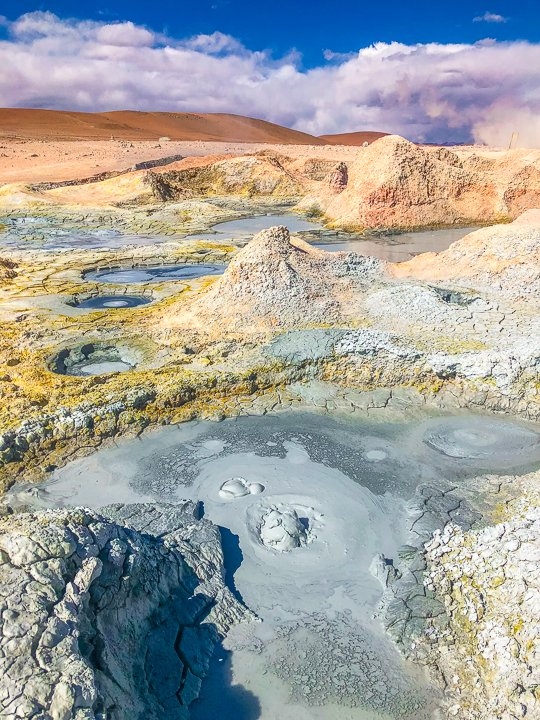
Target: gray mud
[
  {"x": 246, "y": 228},
  {"x": 39, "y": 233},
  {"x": 392, "y": 248},
  {"x": 113, "y": 302},
  {"x": 320, "y": 651},
  {"x": 154, "y": 274}
]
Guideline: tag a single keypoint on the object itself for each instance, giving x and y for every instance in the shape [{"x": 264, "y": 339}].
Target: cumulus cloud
[
  {"x": 425, "y": 92},
  {"x": 490, "y": 17},
  {"x": 124, "y": 34},
  {"x": 215, "y": 44}
]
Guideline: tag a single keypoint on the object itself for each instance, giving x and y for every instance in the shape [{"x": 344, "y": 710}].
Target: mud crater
[{"x": 97, "y": 358}]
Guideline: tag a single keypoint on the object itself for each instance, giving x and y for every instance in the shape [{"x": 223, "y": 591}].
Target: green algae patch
[{"x": 371, "y": 231}]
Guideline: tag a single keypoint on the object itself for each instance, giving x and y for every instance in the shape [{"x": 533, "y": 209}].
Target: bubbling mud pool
[
  {"x": 37, "y": 233},
  {"x": 304, "y": 503},
  {"x": 113, "y": 302}
]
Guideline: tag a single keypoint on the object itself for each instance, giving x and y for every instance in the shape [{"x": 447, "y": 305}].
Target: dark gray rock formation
[
  {"x": 110, "y": 616},
  {"x": 409, "y": 610}
]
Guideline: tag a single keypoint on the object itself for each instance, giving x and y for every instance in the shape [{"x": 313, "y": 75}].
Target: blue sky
[
  {"x": 430, "y": 71},
  {"x": 341, "y": 26}
]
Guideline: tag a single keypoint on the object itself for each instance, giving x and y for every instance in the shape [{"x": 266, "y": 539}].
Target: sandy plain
[{"x": 55, "y": 161}]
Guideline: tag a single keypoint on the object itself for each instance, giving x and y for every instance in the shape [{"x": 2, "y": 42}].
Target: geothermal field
[{"x": 270, "y": 441}]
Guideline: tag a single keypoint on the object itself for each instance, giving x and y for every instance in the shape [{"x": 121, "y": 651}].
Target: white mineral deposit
[{"x": 238, "y": 487}]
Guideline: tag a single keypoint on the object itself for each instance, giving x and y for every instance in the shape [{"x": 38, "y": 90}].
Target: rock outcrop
[
  {"x": 396, "y": 184},
  {"x": 279, "y": 282},
  {"x": 109, "y": 616},
  {"x": 7, "y": 269},
  {"x": 246, "y": 175},
  {"x": 489, "y": 581}
]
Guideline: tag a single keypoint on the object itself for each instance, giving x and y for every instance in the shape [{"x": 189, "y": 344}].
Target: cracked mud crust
[{"x": 405, "y": 339}]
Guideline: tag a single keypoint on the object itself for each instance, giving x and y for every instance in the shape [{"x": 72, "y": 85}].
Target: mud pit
[
  {"x": 43, "y": 233},
  {"x": 304, "y": 504},
  {"x": 393, "y": 247},
  {"x": 246, "y": 228},
  {"x": 327, "y": 524},
  {"x": 154, "y": 274},
  {"x": 113, "y": 302}
]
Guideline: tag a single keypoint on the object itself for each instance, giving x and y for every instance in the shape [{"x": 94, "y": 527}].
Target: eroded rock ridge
[{"x": 110, "y": 616}]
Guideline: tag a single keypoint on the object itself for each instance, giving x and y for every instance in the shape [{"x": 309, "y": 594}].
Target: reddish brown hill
[
  {"x": 354, "y": 138},
  {"x": 133, "y": 125}
]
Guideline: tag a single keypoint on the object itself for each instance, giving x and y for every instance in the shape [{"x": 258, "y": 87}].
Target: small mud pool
[
  {"x": 392, "y": 248},
  {"x": 304, "y": 504},
  {"x": 113, "y": 302},
  {"x": 37, "y": 233},
  {"x": 246, "y": 228},
  {"x": 154, "y": 274},
  {"x": 92, "y": 359}
]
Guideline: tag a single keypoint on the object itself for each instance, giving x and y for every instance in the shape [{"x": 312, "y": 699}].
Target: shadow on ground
[
  {"x": 220, "y": 699},
  {"x": 232, "y": 555}
]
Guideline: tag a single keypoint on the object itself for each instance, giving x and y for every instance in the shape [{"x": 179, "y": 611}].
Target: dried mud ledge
[{"x": 37, "y": 446}]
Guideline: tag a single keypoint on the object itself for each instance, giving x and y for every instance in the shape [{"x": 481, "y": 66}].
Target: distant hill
[
  {"x": 134, "y": 125},
  {"x": 354, "y": 138}
]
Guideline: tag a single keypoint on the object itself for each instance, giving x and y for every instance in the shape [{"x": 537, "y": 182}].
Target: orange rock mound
[{"x": 396, "y": 184}]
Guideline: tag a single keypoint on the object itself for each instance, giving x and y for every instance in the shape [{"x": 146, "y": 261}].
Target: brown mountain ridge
[{"x": 135, "y": 125}]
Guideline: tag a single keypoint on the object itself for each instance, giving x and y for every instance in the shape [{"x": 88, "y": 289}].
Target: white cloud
[
  {"x": 490, "y": 17},
  {"x": 430, "y": 92},
  {"x": 214, "y": 44},
  {"x": 124, "y": 34}
]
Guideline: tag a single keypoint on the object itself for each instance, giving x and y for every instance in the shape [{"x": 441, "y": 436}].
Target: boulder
[{"x": 100, "y": 618}]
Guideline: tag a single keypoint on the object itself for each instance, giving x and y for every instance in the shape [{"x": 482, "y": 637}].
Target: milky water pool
[
  {"x": 246, "y": 228},
  {"x": 304, "y": 503},
  {"x": 395, "y": 248},
  {"x": 391, "y": 247},
  {"x": 154, "y": 274},
  {"x": 32, "y": 233}
]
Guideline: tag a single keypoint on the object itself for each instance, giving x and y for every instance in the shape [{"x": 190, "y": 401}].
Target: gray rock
[
  {"x": 383, "y": 569},
  {"x": 305, "y": 345},
  {"x": 123, "y": 631}
]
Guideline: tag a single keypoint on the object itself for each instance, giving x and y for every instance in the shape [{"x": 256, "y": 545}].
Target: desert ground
[
  {"x": 27, "y": 161},
  {"x": 250, "y": 459}
]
